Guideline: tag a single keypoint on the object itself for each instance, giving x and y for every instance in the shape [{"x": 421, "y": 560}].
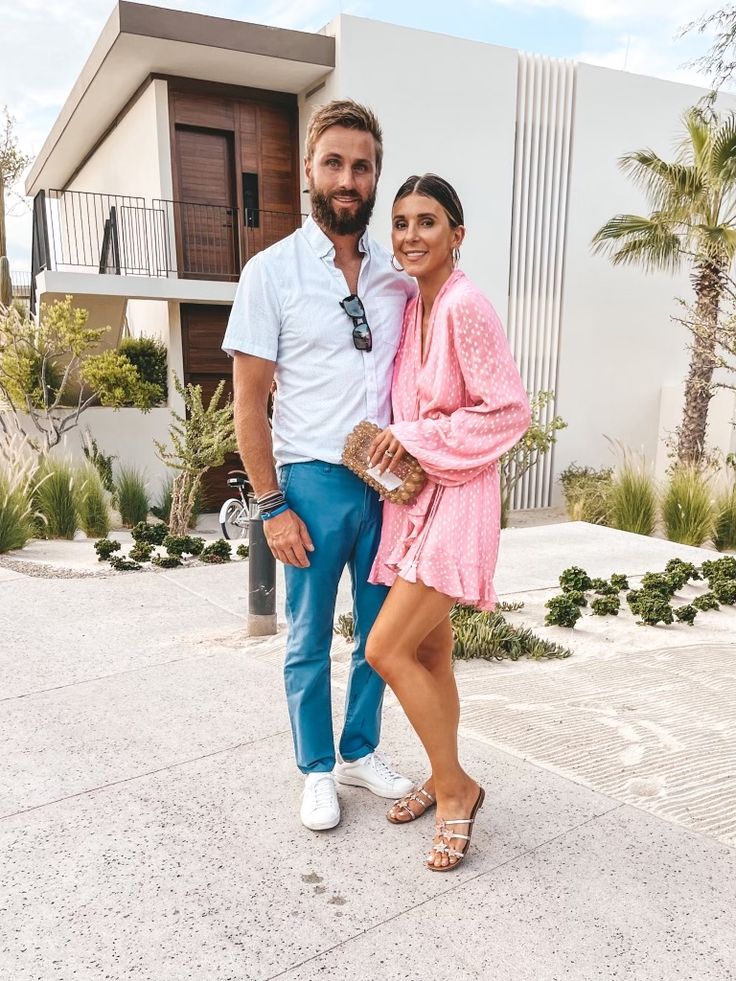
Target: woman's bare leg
[
  {"x": 435, "y": 653},
  {"x": 411, "y": 613}
]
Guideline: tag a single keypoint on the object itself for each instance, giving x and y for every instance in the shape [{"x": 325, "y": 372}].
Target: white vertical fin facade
[{"x": 544, "y": 130}]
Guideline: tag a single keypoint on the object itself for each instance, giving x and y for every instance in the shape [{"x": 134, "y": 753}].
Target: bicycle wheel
[{"x": 233, "y": 519}]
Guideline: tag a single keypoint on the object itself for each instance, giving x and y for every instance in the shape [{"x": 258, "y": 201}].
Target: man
[{"x": 321, "y": 312}]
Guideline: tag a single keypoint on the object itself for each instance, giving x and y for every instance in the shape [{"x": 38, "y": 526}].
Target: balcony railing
[{"x": 79, "y": 231}]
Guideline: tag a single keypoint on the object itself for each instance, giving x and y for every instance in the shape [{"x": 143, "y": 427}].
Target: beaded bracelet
[{"x": 267, "y": 515}]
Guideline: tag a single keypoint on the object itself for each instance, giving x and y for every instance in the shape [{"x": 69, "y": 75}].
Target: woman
[{"x": 458, "y": 405}]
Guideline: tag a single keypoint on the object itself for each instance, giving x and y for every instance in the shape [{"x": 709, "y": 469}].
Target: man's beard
[{"x": 339, "y": 220}]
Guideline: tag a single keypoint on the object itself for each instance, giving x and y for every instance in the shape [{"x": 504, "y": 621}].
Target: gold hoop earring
[
  {"x": 396, "y": 264},
  {"x": 456, "y": 257}
]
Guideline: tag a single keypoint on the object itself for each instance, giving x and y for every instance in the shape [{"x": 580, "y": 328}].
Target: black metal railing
[{"x": 81, "y": 231}]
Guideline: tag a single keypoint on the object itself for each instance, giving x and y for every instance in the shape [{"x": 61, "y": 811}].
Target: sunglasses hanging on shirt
[{"x": 353, "y": 307}]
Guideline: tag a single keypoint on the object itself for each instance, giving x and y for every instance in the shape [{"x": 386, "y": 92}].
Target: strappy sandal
[
  {"x": 426, "y": 801},
  {"x": 446, "y": 834}
]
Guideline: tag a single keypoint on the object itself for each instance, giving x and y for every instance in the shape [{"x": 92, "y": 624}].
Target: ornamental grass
[
  {"x": 17, "y": 475},
  {"x": 55, "y": 498},
  {"x": 92, "y": 503},
  {"x": 724, "y": 520},
  {"x": 131, "y": 496},
  {"x": 687, "y": 506},
  {"x": 633, "y": 497}
]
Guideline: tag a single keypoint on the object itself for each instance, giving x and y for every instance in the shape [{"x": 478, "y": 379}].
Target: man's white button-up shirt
[{"x": 287, "y": 309}]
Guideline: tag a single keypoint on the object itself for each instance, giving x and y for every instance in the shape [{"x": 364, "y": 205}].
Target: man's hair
[{"x": 351, "y": 115}]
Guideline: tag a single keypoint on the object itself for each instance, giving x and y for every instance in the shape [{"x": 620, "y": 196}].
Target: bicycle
[{"x": 235, "y": 512}]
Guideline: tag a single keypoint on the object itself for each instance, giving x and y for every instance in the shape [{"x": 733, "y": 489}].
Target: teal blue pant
[{"x": 343, "y": 516}]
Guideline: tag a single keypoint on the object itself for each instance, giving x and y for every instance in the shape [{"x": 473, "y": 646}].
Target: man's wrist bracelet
[
  {"x": 267, "y": 515},
  {"x": 269, "y": 502}
]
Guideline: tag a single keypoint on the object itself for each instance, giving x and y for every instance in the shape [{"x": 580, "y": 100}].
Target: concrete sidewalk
[{"x": 149, "y": 804}]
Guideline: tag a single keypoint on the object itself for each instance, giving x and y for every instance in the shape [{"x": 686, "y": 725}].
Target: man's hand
[
  {"x": 288, "y": 539},
  {"x": 385, "y": 451}
]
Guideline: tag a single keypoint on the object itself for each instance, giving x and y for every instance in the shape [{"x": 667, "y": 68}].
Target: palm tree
[{"x": 693, "y": 220}]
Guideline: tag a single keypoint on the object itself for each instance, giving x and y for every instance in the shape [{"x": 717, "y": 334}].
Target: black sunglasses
[{"x": 353, "y": 307}]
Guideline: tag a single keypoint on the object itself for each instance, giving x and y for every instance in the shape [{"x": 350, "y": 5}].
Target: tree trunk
[
  {"x": 3, "y": 239},
  {"x": 183, "y": 496},
  {"x": 709, "y": 281}
]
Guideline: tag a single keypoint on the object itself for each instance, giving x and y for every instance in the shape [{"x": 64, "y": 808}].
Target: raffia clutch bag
[{"x": 401, "y": 486}]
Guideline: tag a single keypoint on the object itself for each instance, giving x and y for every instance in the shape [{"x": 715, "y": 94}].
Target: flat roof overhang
[
  {"x": 133, "y": 287},
  {"x": 138, "y": 41}
]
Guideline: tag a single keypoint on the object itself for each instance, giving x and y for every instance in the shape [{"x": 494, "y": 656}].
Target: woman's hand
[{"x": 385, "y": 451}]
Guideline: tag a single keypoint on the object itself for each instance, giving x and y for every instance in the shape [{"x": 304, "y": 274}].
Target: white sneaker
[
  {"x": 375, "y": 774},
  {"x": 320, "y": 809}
]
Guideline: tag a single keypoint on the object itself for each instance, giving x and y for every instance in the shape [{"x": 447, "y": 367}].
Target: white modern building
[{"x": 178, "y": 154}]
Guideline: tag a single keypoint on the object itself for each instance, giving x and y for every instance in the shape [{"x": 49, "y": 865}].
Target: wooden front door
[
  {"x": 206, "y": 207},
  {"x": 206, "y": 364}
]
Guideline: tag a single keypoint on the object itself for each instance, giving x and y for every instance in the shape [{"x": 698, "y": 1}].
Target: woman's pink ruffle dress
[{"x": 457, "y": 413}]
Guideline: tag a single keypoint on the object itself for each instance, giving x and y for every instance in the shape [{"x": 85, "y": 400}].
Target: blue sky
[{"x": 46, "y": 44}]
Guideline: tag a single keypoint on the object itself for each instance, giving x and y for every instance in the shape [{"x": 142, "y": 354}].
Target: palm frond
[
  {"x": 698, "y": 139},
  {"x": 629, "y": 239},
  {"x": 663, "y": 182},
  {"x": 723, "y": 151}
]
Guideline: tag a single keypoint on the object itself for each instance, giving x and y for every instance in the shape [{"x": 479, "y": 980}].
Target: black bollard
[{"x": 261, "y": 578}]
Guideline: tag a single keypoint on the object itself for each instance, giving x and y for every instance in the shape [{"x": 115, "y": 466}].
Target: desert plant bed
[
  {"x": 484, "y": 634},
  {"x": 653, "y": 602},
  {"x": 154, "y": 546}
]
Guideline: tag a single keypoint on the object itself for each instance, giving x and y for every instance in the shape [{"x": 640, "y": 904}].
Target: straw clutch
[{"x": 400, "y": 486}]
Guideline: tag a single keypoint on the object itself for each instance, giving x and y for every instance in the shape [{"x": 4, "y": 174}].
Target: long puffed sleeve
[{"x": 455, "y": 447}]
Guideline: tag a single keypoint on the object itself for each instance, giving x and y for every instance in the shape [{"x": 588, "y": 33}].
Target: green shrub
[
  {"x": 149, "y": 534},
  {"x": 724, "y": 591},
  {"x": 574, "y": 579},
  {"x": 686, "y": 614},
  {"x": 131, "y": 496},
  {"x": 149, "y": 356},
  {"x": 684, "y": 570},
  {"x": 632, "y": 598},
  {"x": 483, "y": 634},
  {"x": 577, "y": 596},
  {"x": 121, "y": 564},
  {"x": 141, "y": 552},
  {"x": 706, "y": 602},
  {"x": 16, "y": 525},
  {"x": 105, "y": 547},
  {"x": 663, "y": 583},
  {"x": 218, "y": 551},
  {"x": 166, "y": 561},
  {"x": 606, "y": 606},
  {"x": 687, "y": 506},
  {"x": 619, "y": 582},
  {"x": 651, "y": 608},
  {"x": 724, "y": 523},
  {"x": 242, "y": 551},
  {"x": 183, "y": 545},
  {"x": 55, "y": 498},
  {"x": 633, "y": 499},
  {"x": 562, "y": 611},
  {"x": 723, "y": 568},
  {"x": 94, "y": 513},
  {"x": 597, "y": 583},
  {"x": 587, "y": 494}
]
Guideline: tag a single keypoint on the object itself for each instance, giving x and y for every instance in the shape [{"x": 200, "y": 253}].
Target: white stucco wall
[
  {"x": 446, "y": 105},
  {"x": 135, "y": 157},
  {"x": 619, "y": 347}
]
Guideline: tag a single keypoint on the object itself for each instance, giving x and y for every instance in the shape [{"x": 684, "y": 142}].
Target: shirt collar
[{"x": 322, "y": 244}]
